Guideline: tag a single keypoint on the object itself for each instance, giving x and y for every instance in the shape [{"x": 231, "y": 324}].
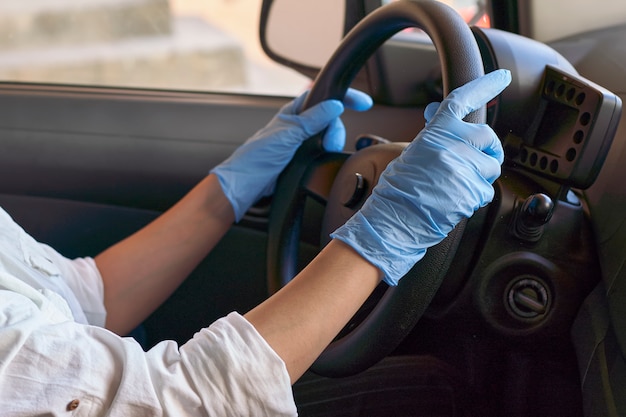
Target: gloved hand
[
  {"x": 443, "y": 176},
  {"x": 251, "y": 171}
]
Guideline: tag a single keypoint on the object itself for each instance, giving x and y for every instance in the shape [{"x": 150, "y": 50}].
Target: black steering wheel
[{"x": 325, "y": 177}]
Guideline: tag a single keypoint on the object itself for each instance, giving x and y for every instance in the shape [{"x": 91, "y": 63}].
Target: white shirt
[{"x": 55, "y": 357}]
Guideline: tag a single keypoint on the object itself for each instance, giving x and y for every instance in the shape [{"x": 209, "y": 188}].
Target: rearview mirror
[{"x": 303, "y": 33}]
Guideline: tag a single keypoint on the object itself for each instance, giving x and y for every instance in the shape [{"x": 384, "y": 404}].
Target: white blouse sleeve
[
  {"x": 84, "y": 279},
  {"x": 50, "y": 368}
]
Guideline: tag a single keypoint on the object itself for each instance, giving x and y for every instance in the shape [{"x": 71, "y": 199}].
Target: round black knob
[
  {"x": 532, "y": 215},
  {"x": 537, "y": 210}
]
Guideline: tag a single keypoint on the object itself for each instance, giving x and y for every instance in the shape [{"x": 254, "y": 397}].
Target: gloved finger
[
  {"x": 494, "y": 149},
  {"x": 431, "y": 110},
  {"x": 335, "y": 136},
  {"x": 357, "y": 100},
  {"x": 475, "y": 94},
  {"x": 465, "y": 155},
  {"x": 484, "y": 139},
  {"x": 318, "y": 117},
  {"x": 489, "y": 167},
  {"x": 354, "y": 100}
]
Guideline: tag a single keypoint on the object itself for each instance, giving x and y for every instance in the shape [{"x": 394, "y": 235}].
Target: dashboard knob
[{"x": 533, "y": 214}]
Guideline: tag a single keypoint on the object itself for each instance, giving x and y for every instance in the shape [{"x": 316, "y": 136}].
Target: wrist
[
  {"x": 218, "y": 204},
  {"x": 392, "y": 259}
]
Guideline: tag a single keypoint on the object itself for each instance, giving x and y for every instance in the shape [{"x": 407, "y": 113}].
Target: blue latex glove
[
  {"x": 251, "y": 171},
  {"x": 443, "y": 176}
]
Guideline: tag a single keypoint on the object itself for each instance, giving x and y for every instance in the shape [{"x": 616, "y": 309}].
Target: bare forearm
[
  {"x": 140, "y": 272},
  {"x": 301, "y": 319}
]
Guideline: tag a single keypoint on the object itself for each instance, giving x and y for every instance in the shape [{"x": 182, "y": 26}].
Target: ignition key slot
[{"x": 528, "y": 298}]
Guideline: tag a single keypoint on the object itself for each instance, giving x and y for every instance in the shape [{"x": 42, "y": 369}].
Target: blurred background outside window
[{"x": 203, "y": 45}]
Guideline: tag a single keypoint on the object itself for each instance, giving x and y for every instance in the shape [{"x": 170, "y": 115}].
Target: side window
[{"x": 204, "y": 45}]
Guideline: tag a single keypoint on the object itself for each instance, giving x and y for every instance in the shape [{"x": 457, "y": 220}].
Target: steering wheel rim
[{"x": 401, "y": 307}]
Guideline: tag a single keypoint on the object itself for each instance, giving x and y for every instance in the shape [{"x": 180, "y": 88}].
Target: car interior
[{"x": 526, "y": 299}]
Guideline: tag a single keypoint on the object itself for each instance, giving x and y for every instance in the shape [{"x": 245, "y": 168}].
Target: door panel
[{"x": 138, "y": 149}]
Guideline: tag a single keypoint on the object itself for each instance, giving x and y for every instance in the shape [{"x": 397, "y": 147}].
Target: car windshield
[{"x": 202, "y": 45}]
